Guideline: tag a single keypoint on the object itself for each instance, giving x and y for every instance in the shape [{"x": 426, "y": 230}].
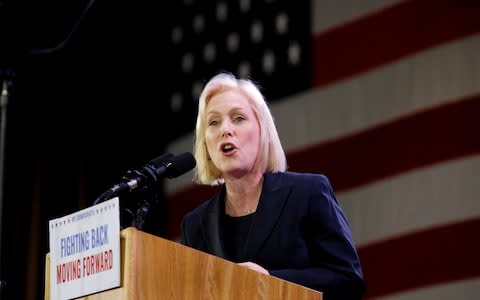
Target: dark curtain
[{"x": 78, "y": 118}]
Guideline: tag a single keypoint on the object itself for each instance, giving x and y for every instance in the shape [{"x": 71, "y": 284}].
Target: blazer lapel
[
  {"x": 212, "y": 230},
  {"x": 272, "y": 200}
]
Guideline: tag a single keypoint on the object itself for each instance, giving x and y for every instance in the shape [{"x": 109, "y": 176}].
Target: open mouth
[{"x": 227, "y": 148}]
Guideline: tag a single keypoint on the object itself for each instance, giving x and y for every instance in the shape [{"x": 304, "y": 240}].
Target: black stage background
[{"x": 80, "y": 114}]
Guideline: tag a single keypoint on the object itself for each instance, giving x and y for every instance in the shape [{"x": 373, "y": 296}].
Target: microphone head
[
  {"x": 159, "y": 161},
  {"x": 155, "y": 167},
  {"x": 180, "y": 165}
]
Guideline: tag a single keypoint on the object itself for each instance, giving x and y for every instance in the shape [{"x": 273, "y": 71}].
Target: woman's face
[{"x": 232, "y": 133}]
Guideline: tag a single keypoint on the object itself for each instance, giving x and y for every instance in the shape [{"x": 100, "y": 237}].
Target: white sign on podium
[{"x": 85, "y": 251}]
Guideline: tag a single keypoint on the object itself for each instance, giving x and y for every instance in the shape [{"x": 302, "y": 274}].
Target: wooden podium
[{"x": 156, "y": 268}]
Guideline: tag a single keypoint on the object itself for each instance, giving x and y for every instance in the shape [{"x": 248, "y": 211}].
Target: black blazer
[{"x": 299, "y": 233}]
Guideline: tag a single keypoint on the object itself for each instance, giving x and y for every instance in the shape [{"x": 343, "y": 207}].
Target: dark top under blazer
[{"x": 299, "y": 233}]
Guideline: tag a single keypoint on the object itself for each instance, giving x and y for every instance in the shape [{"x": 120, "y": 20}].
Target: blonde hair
[{"x": 271, "y": 155}]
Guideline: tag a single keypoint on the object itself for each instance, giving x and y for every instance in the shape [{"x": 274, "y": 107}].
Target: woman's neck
[{"x": 242, "y": 194}]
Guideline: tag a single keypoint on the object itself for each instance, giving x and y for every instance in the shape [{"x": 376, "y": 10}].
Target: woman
[{"x": 285, "y": 224}]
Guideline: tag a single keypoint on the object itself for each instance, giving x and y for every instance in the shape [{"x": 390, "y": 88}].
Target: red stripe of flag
[
  {"x": 390, "y": 34},
  {"x": 438, "y": 134},
  {"x": 428, "y": 257}
]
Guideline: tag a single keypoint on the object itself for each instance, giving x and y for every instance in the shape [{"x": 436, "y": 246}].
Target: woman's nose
[{"x": 226, "y": 129}]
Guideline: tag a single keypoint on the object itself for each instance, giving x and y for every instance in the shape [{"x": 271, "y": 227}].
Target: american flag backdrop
[{"x": 383, "y": 97}]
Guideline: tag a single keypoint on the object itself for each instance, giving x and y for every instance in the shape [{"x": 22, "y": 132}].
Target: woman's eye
[
  {"x": 213, "y": 123},
  {"x": 239, "y": 118}
]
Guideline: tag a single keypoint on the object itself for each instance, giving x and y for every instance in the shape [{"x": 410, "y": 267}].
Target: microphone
[
  {"x": 166, "y": 165},
  {"x": 143, "y": 177},
  {"x": 178, "y": 165}
]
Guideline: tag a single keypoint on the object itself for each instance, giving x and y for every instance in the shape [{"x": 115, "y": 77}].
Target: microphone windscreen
[
  {"x": 159, "y": 161},
  {"x": 180, "y": 165}
]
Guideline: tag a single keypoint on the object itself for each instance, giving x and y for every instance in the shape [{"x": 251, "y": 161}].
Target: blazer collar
[{"x": 274, "y": 194}]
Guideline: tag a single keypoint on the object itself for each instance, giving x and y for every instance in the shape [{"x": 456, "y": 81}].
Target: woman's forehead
[{"x": 231, "y": 99}]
